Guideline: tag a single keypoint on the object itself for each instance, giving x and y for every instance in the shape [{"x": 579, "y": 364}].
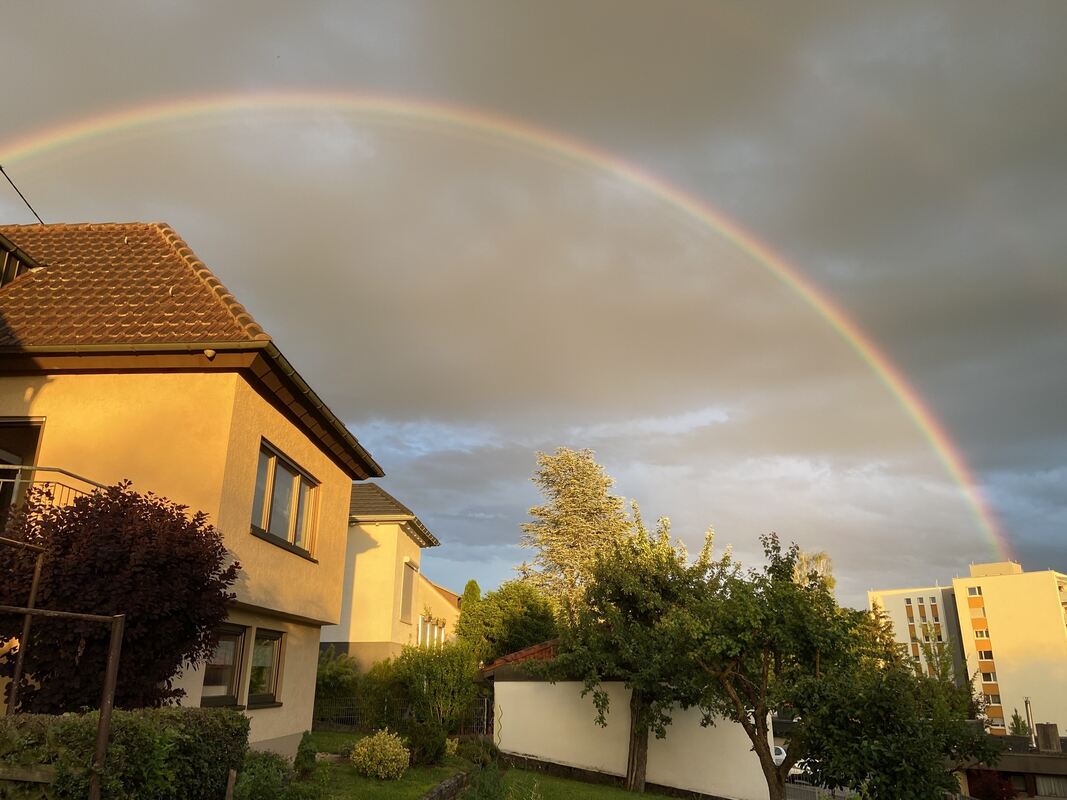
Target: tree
[
  {"x": 472, "y": 594},
  {"x": 818, "y": 563},
  {"x": 114, "y": 552},
  {"x": 624, "y": 631},
  {"x": 1018, "y": 725},
  {"x": 863, "y": 719},
  {"x": 438, "y": 682},
  {"x": 579, "y": 521},
  {"x": 515, "y": 616}
]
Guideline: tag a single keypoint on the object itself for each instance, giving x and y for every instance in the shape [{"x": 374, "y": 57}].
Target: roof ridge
[{"x": 242, "y": 316}]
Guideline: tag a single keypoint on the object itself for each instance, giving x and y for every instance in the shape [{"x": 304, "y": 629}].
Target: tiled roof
[
  {"x": 370, "y": 501},
  {"x": 544, "y": 651},
  {"x": 116, "y": 284}
]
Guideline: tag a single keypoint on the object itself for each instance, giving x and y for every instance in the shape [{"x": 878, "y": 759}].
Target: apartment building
[
  {"x": 123, "y": 356},
  {"x": 1008, "y": 629},
  {"x": 388, "y": 602}
]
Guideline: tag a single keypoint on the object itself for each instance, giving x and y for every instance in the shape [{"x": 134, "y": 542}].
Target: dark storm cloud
[{"x": 463, "y": 303}]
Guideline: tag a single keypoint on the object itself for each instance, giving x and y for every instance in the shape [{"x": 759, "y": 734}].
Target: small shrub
[
  {"x": 479, "y": 752},
  {"x": 427, "y": 742},
  {"x": 304, "y": 763},
  {"x": 265, "y": 776},
  {"x": 382, "y": 755},
  {"x": 451, "y": 747},
  {"x": 486, "y": 783}
]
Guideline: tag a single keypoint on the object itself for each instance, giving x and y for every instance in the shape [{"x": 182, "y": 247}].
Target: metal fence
[
  {"x": 57, "y": 487},
  {"x": 796, "y": 788},
  {"x": 360, "y": 715}
]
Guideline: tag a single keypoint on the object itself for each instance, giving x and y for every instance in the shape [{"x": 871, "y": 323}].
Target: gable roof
[
  {"x": 371, "y": 503},
  {"x": 127, "y": 288}
]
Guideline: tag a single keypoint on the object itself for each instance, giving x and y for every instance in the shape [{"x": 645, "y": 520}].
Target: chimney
[{"x": 1048, "y": 737}]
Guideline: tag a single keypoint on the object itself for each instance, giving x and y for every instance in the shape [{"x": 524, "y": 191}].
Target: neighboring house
[
  {"x": 388, "y": 602},
  {"x": 122, "y": 356},
  {"x": 1004, "y": 626}
]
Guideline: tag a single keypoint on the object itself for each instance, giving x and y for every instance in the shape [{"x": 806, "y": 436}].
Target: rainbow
[{"x": 566, "y": 150}]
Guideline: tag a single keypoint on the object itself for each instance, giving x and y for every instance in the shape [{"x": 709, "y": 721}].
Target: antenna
[{"x": 20, "y": 194}]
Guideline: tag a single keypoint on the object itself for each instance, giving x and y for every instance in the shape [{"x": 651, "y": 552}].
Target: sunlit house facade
[{"x": 123, "y": 357}]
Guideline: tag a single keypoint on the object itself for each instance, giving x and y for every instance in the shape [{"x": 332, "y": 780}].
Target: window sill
[
  {"x": 259, "y": 533},
  {"x": 209, "y": 703},
  {"x": 265, "y": 704}
]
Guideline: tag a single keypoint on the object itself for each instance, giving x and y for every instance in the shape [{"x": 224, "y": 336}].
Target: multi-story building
[
  {"x": 1008, "y": 630},
  {"x": 388, "y": 602},
  {"x": 123, "y": 356}
]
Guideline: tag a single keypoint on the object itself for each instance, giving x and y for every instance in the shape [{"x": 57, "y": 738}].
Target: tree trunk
[
  {"x": 775, "y": 783},
  {"x": 637, "y": 756}
]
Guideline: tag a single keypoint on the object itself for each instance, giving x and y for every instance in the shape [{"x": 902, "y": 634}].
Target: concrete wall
[{"x": 552, "y": 722}]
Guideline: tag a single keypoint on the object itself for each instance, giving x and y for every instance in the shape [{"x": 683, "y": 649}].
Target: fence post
[
  {"x": 107, "y": 704},
  {"x": 24, "y": 642}
]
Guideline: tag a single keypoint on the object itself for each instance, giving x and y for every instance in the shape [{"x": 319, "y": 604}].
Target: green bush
[
  {"x": 382, "y": 755},
  {"x": 264, "y": 776},
  {"x": 438, "y": 682},
  {"x": 427, "y": 744},
  {"x": 161, "y": 754},
  {"x": 304, "y": 763},
  {"x": 479, "y": 752},
  {"x": 451, "y": 746},
  {"x": 337, "y": 677},
  {"x": 486, "y": 783}
]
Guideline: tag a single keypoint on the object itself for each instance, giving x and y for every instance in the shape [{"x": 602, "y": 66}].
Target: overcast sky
[{"x": 463, "y": 301}]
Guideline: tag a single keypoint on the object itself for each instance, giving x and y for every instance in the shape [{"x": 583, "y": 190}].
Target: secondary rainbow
[{"x": 567, "y": 149}]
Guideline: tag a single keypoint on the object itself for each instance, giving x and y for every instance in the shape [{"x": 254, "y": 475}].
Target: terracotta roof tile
[
  {"x": 369, "y": 500},
  {"x": 114, "y": 284}
]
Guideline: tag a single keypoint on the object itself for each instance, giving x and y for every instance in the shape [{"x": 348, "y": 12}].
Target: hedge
[{"x": 155, "y": 754}]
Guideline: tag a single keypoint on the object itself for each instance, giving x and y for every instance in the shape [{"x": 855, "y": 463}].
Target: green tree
[
  {"x": 438, "y": 682},
  {"x": 580, "y": 521},
  {"x": 624, "y": 631},
  {"x": 818, "y": 563},
  {"x": 472, "y": 594},
  {"x": 515, "y": 616},
  {"x": 864, "y": 719},
  {"x": 1018, "y": 726}
]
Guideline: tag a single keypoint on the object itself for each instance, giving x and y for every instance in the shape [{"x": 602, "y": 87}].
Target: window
[
  {"x": 408, "y": 596},
  {"x": 1051, "y": 785},
  {"x": 989, "y": 677},
  {"x": 981, "y": 633},
  {"x": 222, "y": 671},
  {"x": 985, "y": 655},
  {"x": 907, "y": 601},
  {"x": 978, "y": 613},
  {"x": 996, "y": 722},
  {"x": 266, "y": 664},
  {"x": 283, "y": 505},
  {"x": 992, "y": 699},
  {"x": 933, "y": 600},
  {"x": 974, "y": 591}
]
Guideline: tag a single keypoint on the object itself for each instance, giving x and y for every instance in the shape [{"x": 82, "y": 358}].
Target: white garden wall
[{"x": 553, "y": 722}]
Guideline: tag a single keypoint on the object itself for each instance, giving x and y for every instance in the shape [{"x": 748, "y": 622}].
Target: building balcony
[{"x": 52, "y": 486}]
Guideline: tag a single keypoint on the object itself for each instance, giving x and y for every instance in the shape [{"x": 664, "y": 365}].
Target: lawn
[
  {"x": 551, "y": 788},
  {"x": 343, "y": 783}
]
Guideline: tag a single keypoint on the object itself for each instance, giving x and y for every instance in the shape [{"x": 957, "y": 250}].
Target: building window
[
  {"x": 985, "y": 655},
  {"x": 978, "y": 612},
  {"x": 266, "y": 666},
  {"x": 989, "y": 677},
  {"x": 933, "y": 600},
  {"x": 981, "y": 633},
  {"x": 996, "y": 722},
  {"x": 407, "y": 598},
  {"x": 222, "y": 671},
  {"x": 974, "y": 591},
  {"x": 907, "y": 601},
  {"x": 992, "y": 699},
  {"x": 284, "y": 503}
]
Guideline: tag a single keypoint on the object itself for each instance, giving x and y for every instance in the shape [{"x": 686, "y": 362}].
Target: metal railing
[
  {"x": 359, "y": 715},
  {"x": 61, "y": 487}
]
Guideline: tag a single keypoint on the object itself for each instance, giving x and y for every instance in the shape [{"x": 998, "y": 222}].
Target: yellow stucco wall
[
  {"x": 194, "y": 438},
  {"x": 553, "y": 722},
  {"x": 1028, "y": 637}
]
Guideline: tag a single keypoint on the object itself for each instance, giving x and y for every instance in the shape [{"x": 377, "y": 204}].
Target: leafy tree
[
  {"x": 438, "y": 682},
  {"x": 818, "y": 563},
  {"x": 579, "y": 522},
  {"x": 337, "y": 678},
  {"x": 864, "y": 719},
  {"x": 624, "y": 631},
  {"x": 1018, "y": 726},
  {"x": 472, "y": 594},
  {"x": 114, "y": 552},
  {"x": 515, "y": 616}
]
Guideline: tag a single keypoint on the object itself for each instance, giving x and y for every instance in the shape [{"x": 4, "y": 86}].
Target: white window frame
[{"x": 989, "y": 677}]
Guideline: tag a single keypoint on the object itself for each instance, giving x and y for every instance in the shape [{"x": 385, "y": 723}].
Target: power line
[{"x": 24, "y": 200}]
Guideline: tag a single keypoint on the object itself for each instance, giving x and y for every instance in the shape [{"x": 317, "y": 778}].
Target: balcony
[{"x": 59, "y": 487}]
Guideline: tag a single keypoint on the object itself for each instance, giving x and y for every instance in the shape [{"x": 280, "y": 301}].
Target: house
[
  {"x": 388, "y": 602},
  {"x": 123, "y": 356}
]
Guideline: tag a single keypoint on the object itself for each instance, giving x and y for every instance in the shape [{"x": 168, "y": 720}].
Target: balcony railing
[{"x": 60, "y": 487}]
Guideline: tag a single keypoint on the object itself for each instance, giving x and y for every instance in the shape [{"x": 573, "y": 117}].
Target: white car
[{"x": 778, "y": 755}]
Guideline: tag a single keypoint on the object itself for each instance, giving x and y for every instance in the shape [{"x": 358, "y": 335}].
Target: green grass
[
  {"x": 332, "y": 742},
  {"x": 551, "y": 788},
  {"x": 343, "y": 783}
]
